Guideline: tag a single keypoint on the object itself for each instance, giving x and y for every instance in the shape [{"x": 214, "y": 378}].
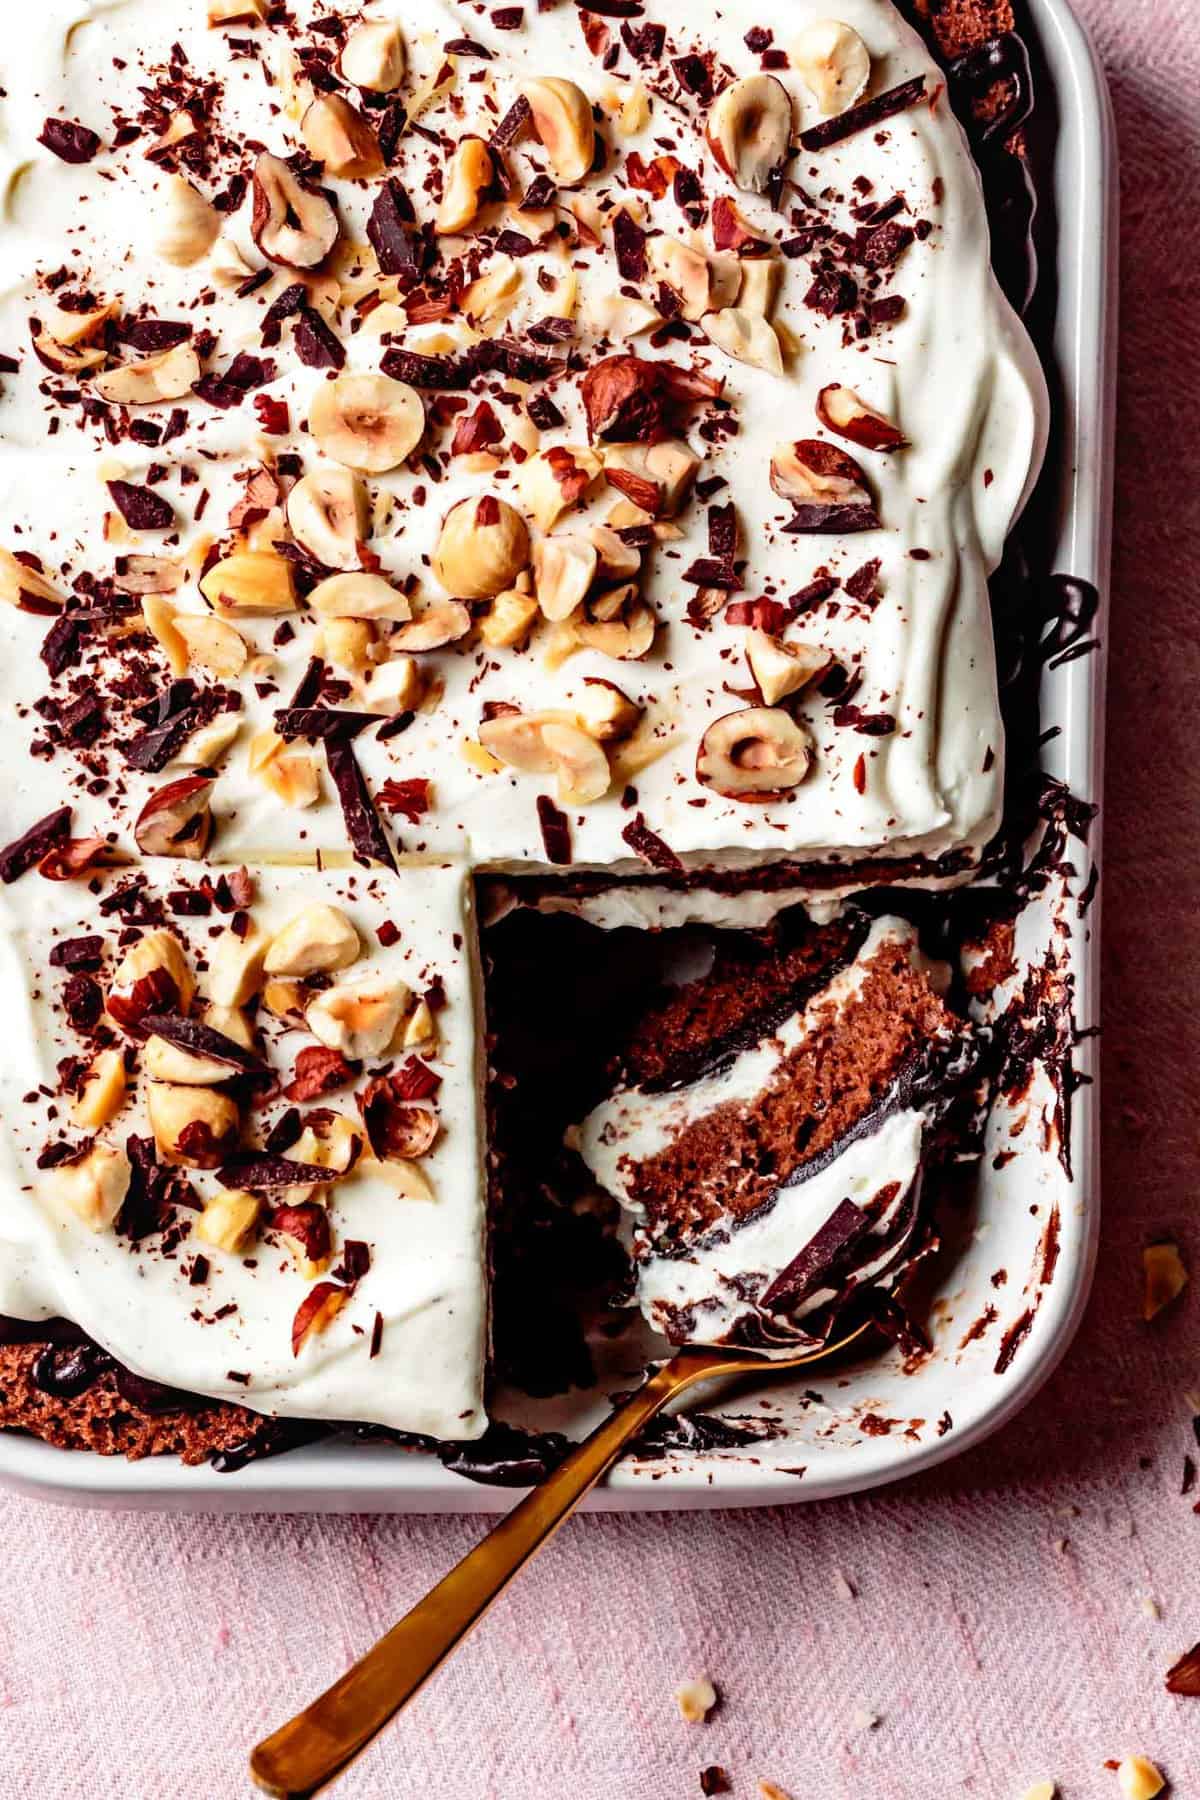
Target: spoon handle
[{"x": 312, "y": 1749}]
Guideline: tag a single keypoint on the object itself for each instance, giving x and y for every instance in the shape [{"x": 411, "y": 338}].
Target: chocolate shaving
[
  {"x": 814, "y": 519},
  {"x": 512, "y": 124},
  {"x": 316, "y": 345},
  {"x": 629, "y": 241},
  {"x": 844, "y": 1225},
  {"x": 864, "y": 115},
  {"x": 19, "y": 856},
  {"x": 392, "y": 231},
  {"x": 320, "y": 723},
  {"x": 293, "y": 300},
  {"x": 70, "y": 141},
  {"x": 140, "y": 507},
  {"x": 556, "y": 830},
  {"x": 77, "y": 953},
  {"x": 650, "y": 847},
  {"x": 363, "y": 825},
  {"x": 201, "y": 1040},
  {"x": 259, "y": 1171}
]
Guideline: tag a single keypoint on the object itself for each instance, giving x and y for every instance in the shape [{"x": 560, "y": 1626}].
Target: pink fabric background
[{"x": 998, "y": 1628}]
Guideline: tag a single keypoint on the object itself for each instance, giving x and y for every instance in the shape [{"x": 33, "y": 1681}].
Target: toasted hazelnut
[
  {"x": 1138, "y": 1779},
  {"x": 327, "y": 512},
  {"x": 159, "y": 617},
  {"x": 810, "y": 470},
  {"x": 616, "y": 560},
  {"x": 749, "y": 128},
  {"x": 618, "y": 624},
  {"x": 94, "y": 1187},
  {"x": 469, "y": 174},
  {"x": 347, "y": 643},
  {"x": 359, "y": 596},
  {"x": 656, "y": 477},
  {"x": 72, "y": 328},
  {"x": 285, "y": 1000},
  {"x": 229, "y": 1220},
  {"x": 563, "y": 571},
  {"x": 553, "y": 480},
  {"x": 103, "y": 1092},
  {"x": 210, "y": 643},
  {"x": 508, "y": 620},
  {"x": 152, "y": 976},
  {"x": 227, "y": 266},
  {"x": 622, "y": 316},
  {"x": 168, "y": 376},
  {"x": 550, "y": 743},
  {"x": 745, "y": 337},
  {"x": 833, "y": 63},
  {"x": 373, "y": 56},
  {"x": 754, "y": 754},
  {"x": 731, "y": 231},
  {"x": 1165, "y": 1277},
  {"x": 695, "y": 1700},
  {"x": 330, "y": 1140},
  {"x": 780, "y": 669},
  {"x": 605, "y": 712},
  {"x": 316, "y": 1312},
  {"x": 316, "y": 941},
  {"x": 164, "y": 1061},
  {"x": 703, "y": 283},
  {"x": 656, "y": 732},
  {"x": 235, "y": 967},
  {"x": 252, "y": 582},
  {"x": 65, "y": 359},
  {"x": 421, "y": 1029},
  {"x": 445, "y": 622},
  {"x": 359, "y": 1018},
  {"x": 762, "y": 277},
  {"x": 293, "y": 776},
  {"x": 196, "y": 1126},
  {"x": 177, "y": 819},
  {"x": 26, "y": 589},
  {"x": 394, "y": 686},
  {"x": 232, "y": 1023},
  {"x": 367, "y": 422},
  {"x": 237, "y": 12},
  {"x": 563, "y": 124},
  {"x": 191, "y": 226},
  {"x": 205, "y": 748},
  {"x": 336, "y": 134},
  {"x": 409, "y": 1180},
  {"x": 481, "y": 549},
  {"x": 515, "y": 739},
  {"x": 490, "y": 297},
  {"x": 840, "y": 409},
  {"x": 290, "y": 223},
  {"x": 579, "y": 763}
]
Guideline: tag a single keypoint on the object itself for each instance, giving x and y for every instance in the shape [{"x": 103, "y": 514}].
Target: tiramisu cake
[{"x": 566, "y": 444}]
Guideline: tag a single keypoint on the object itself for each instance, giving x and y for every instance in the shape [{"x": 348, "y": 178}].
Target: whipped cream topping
[
  {"x": 908, "y": 753},
  {"x": 718, "y": 1276},
  {"x": 229, "y": 1335},
  {"x": 955, "y": 371}
]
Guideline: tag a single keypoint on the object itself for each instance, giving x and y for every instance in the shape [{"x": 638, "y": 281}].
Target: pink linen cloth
[{"x": 1001, "y": 1627}]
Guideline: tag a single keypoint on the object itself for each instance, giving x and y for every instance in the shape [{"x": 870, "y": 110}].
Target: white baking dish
[{"x": 817, "y": 1447}]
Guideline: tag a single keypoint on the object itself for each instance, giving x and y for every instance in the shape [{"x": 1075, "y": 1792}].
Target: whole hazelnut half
[{"x": 481, "y": 549}]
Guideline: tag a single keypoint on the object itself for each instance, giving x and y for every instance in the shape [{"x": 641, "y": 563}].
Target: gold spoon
[{"x": 314, "y": 1748}]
